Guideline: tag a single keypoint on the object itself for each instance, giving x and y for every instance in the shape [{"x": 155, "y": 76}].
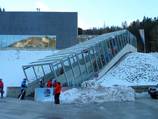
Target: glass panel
[
  {"x": 115, "y": 48},
  {"x": 83, "y": 66},
  {"x": 112, "y": 47},
  {"x": 46, "y": 69},
  {"x": 75, "y": 66},
  {"x": 88, "y": 62},
  {"x": 99, "y": 61},
  {"x": 118, "y": 43},
  {"x": 124, "y": 39},
  {"x": 58, "y": 72},
  {"x": 30, "y": 74},
  {"x": 110, "y": 56},
  {"x": 69, "y": 72},
  {"x": 106, "y": 49},
  {"x": 102, "y": 54},
  {"x": 120, "y": 40},
  {"x": 39, "y": 71}
]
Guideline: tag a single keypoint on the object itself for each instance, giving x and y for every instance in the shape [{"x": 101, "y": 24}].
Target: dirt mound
[{"x": 35, "y": 42}]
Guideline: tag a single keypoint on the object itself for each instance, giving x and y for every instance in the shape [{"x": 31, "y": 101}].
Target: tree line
[{"x": 150, "y": 26}]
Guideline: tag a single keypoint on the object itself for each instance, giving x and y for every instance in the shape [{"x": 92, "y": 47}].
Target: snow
[
  {"x": 11, "y": 62},
  {"x": 98, "y": 95},
  {"x": 135, "y": 69}
]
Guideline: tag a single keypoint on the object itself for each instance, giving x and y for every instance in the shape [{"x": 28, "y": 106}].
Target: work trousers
[
  {"x": 56, "y": 98},
  {"x": 1, "y": 91}
]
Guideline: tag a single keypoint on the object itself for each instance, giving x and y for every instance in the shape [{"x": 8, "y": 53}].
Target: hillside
[{"x": 35, "y": 42}]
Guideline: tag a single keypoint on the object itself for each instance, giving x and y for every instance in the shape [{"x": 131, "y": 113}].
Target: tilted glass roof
[{"x": 62, "y": 54}]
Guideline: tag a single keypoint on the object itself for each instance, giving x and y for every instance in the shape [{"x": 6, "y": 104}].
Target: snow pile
[
  {"x": 98, "y": 95},
  {"x": 155, "y": 54},
  {"x": 90, "y": 84},
  {"x": 136, "y": 69}
]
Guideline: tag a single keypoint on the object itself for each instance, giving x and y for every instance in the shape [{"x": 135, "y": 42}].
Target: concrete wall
[{"x": 61, "y": 24}]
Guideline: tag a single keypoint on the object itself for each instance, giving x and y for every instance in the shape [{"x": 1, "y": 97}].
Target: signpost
[{"x": 44, "y": 94}]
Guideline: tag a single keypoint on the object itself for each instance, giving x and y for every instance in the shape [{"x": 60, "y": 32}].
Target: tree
[
  {"x": 124, "y": 25},
  {"x": 80, "y": 31}
]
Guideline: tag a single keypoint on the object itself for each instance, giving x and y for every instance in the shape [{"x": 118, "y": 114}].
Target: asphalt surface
[{"x": 143, "y": 107}]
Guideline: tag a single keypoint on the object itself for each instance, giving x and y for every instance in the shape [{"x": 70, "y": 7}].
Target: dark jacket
[{"x": 23, "y": 84}]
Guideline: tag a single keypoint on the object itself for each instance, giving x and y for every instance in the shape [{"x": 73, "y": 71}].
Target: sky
[{"x": 91, "y": 13}]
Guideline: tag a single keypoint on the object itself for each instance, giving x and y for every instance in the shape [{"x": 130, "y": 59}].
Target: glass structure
[{"x": 79, "y": 63}]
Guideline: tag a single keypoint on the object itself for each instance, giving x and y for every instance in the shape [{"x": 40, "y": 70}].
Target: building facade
[{"x": 63, "y": 25}]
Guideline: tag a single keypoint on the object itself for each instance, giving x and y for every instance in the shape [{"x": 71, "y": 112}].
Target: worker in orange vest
[
  {"x": 49, "y": 83},
  {"x": 57, "y": 91}
]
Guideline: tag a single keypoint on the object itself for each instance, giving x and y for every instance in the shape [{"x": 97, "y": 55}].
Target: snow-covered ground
[
  {"x": 135, "y": 69},
  {"x": 11, "y": 62}
]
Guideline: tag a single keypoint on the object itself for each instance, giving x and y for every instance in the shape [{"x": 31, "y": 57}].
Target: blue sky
[{"x": 91, "y": 13}]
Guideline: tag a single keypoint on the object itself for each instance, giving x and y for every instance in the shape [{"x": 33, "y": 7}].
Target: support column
[{"x": 25, "y": 74}]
